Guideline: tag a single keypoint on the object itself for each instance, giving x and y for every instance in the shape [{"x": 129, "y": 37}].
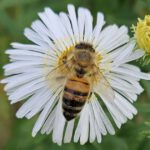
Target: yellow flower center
[
  {"x": 142, "y": 33},
  {"x": 64, "y": 54}
]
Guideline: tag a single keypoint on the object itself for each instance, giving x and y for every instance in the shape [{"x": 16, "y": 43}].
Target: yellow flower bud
[{"x": 142, "y": 33}]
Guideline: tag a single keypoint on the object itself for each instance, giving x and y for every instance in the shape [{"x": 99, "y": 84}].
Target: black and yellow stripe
[{"x": 76, "y": 92}]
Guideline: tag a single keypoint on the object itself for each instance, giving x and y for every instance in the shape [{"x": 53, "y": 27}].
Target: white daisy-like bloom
[{"x": 29, "y": 77}]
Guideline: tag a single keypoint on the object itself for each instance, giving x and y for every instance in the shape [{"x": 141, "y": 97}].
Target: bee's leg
[
  {"x": 67, "y": 63},
  {"x": 60, "y": 78},
  {"x": 89, "y": 97},
  {"x": 92, "y": 74},
  {"x": 64, "y": 60}
]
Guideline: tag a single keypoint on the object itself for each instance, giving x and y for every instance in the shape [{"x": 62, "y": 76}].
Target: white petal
[
  {"x": 80, "y": 126},
  {"x": 54, "y": 33},
  {"x": 49, "y": 123},
  {"x": 73, "y": 19},
  {"x": 44, "y": 114},
  {"x": 130, "y": 96},
  {"x": 98, "y": 133},
  {"x": 125, "y": 104},
  {"x": 59, "y": 124},
  {"x": 17, "y": 67},
  {"x": 123, "y": 86},
  {"x": 42, "y": 32},
  {"x": 65, "y": 20},
  {"x": 34, "y": 37},
  {"x": 88, "y": 26},
  {"x": 21, "y": 79},
  {"x": 17, "y": 52},
  {"x": 118, "y": 117},
  {"x": 124, "y": 54},
  {"x": 40, "y": 104},
  {"x": 97, "y": 30},
  {"x": 103, "y": 116},
  {"x": 98, "y": 118},
  {"x": 30, "y": 47},
  {"x": 112, "y": 37},
  {"x": 81, "y": 22},
  {"x": 85, "y": 125},
  {"x": 134, "y": 56},
  {"x": 133, "y": 73},
  {"x": 92, "y": 126},
  {"x": 69, "y": 131},
  {"x": 24, "y": 92},
  {"x": 105, "y": 36},
  {"x": 29, "y": 104}
]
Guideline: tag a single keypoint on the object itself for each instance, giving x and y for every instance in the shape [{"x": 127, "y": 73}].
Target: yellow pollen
[
  {"x": 99, "y": 58},
  {"x": 142, "y": 33},
  {"x": 64, "y": 54}
]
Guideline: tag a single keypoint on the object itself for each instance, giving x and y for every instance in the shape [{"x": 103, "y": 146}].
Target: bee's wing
[
  {"x": 55, "y": 77},
  {"x": 104, "y": 89},
  {"x": 58, "y": 74}
]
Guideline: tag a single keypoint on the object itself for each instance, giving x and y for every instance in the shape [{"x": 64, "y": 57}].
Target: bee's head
[{"x": 83, "y": 54}]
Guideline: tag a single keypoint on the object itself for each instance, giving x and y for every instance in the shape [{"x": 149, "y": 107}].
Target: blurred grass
[{"x": 15, "y": 134}]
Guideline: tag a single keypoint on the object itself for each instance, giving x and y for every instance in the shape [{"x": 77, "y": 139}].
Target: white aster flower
[{"x": 53, "y": 36}]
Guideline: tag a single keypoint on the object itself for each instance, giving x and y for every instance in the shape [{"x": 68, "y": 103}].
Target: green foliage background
[{"x": 15, "y": 134}]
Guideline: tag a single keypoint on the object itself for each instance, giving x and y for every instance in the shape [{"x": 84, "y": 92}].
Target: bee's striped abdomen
[{"x": 76, "y": 92}]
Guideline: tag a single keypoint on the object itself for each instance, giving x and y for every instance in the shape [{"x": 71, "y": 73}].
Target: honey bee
[{"x": 81, "y": 74}]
